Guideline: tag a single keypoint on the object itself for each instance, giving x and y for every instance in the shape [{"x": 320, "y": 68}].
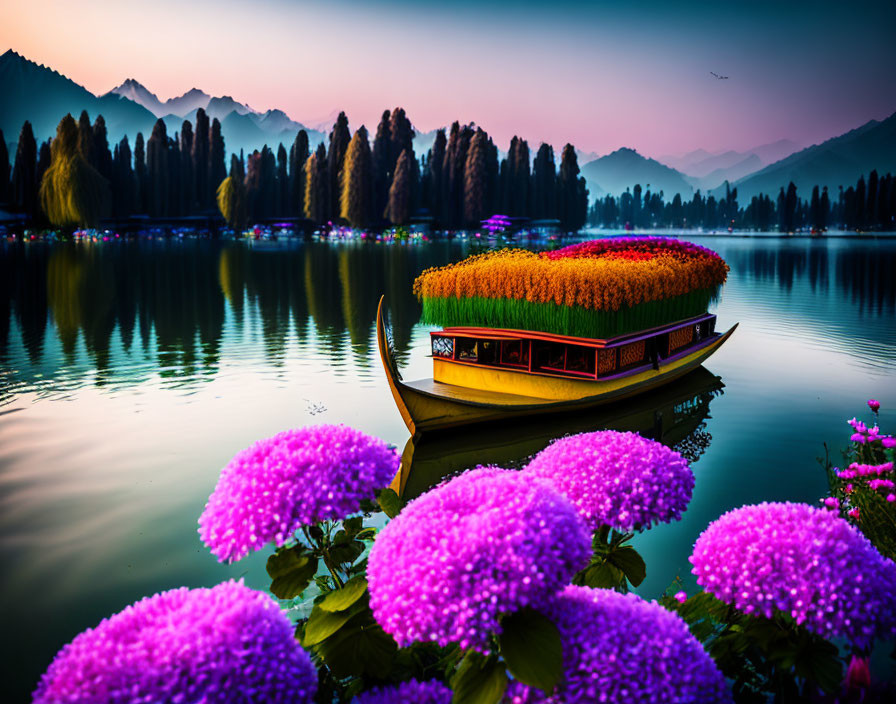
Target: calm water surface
[{"x": 130, "y": 373}]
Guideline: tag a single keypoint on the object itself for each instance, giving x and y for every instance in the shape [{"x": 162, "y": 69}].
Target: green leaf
[
  {"x": 368, "y": 533},
  {"x": 353, "y": 525},
  {"x": 361, "y": 647},
  {"x": 627, "y": 559},
  {"x": 531, "y": 647},
  {"x": 347, "y": 552},
  {"x": 389, "y": 502},
  {"x": 602, "y": 576},
  {"x": 341, "y": 599},
  {"x": 322, "y": 624},
  {"x": 291, "y": 572},
  {"x": 479, "y": 680}
]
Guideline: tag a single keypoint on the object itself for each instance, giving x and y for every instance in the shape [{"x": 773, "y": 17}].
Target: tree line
[
  {"x": 870, "y": 205},
  {"x": 77, "y": 179}
]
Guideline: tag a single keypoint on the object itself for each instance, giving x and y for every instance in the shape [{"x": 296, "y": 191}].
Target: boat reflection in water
[{"x": 674, "y": 415}]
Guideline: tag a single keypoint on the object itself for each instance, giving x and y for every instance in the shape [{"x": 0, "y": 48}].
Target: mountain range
[{"x": 30, "y": 91}]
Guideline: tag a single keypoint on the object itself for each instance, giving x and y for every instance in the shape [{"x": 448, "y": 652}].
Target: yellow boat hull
[{"x": 459, "y": 395}]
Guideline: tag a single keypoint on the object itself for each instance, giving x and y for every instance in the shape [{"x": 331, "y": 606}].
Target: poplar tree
[
  {"x": 316, "y": 186},
  {"x": 434, "y": 172},
  {"x": 217, "y": 170},
  {"x": 123, "y": 185},
  {"x": 4, "y": 170},
  {"x": 544, "y": 184},
  {"x": 382, "y": 148},
  {"x": 157, "y": 176},
  {"x": 85, "y": 138},
  {"x": 518, "y": 177},
  {"x": 572, "y": 194},
  {"x": 101, "y": 154},
  {"x": 72, "y": 192},
  {"x": 282, "y": 182},
  {"x": 139, "y": 174},
  {"x": 356, "y": 198},
  {"x": 398, "y": 210},
  {"x": 298, "y": 155},
  {"x": 474, "y": 180},
  {"x": 24, "y": 173},
  {"x": 339, "y": 139},
  {"x": 231, "y": 196},
  {"x": 188, "y": 175},
  {"x": 201, "y": 159}
]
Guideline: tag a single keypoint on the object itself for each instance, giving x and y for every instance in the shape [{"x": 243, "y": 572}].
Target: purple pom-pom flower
[
  {"x": 803, "y": 561},
  {"x": 486, "y": 543},
  {"x": 411, "y": 692},
  {"x": 219, "y": 645},
  {"x": 296, "y": 478},
  {"x": 621, "y": 648},
  {"x": 873, "y": 405},
  {"x": 617, "y": 479}
]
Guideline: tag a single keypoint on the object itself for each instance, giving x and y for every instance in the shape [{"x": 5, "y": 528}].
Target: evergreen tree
[
  {"x": 4, "y": 170},
  {"x": 85, "y": 139},
  {"x": 518, "y": 177},
  {"x": 231, "y": 195},
  {"x": 455, "y": 163},
  {"x": 298, "y": 155},
  {"x": 569, "y": 199},
  {"x": 824, "y": 210},
  {"x": 24, "y": 173},
  {"x": 217, "y": 169},
  {"x": 339, "y": 139},
  {"x": 434, "y": 173},
  {"x": 175, "y": 189},
  {"x": 356, "y": 198},
  {"x": 139, "y": 174},
  {"x": 859, "y": 204},
  {"x": 871, "y": 203},
  {"x": 282, "y": 183},
  {"x": 101, "y": 153},
  {"x": 123, "y": 185},
  {"x": 815, "y": 209},
  {"x": 72, "y": 192},
  {"x": 398, "y": 210},
  {"x": 201, "y": 141},
  {"x": 188, "y": 175},
  {"x": 544, "y": 184},
  {"x": 157, "y": 175},
  {"x": 474, "y": 180},
  {"x": 382, "y": 168}
]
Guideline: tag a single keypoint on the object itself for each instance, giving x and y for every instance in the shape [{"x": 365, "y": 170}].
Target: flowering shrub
[
  {"x": 225, "y": 644},
  {"x": 803, "y": 561},
  {"x": 412, "y": 692},
  {"x": 293, "y": 479},
  {"x": 620, "y": 648},
  {"x": 483, "y": 544},
  {"x": 864, "y": 492},
  {"x": 596, "y": 288},
  {"x": 617, "y": 479}
]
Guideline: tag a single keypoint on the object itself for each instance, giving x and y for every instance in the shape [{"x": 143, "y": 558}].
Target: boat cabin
[{"x": 572, "y": 357}]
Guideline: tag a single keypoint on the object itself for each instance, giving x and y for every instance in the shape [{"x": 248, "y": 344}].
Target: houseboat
[{"x": 497, "y": 372}]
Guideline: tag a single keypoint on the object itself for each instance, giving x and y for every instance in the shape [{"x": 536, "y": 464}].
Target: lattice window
[
  {"x": 681, "y": 337},
  {"x": 606, "y": 362},
  {"x": 632, "y": 353},
  {"x": 443, "y": 347}
]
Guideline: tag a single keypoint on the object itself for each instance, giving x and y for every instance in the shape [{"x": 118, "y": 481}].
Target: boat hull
[{"x": 464, "y": 394}]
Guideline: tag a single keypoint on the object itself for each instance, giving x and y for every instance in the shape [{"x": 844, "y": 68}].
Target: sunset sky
[{"x": 601, "y": 75}]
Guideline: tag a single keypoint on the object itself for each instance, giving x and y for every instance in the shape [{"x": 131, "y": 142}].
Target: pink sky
[{"x": 600, "y": 78}]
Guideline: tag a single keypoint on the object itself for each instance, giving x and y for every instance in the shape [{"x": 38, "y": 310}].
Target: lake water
[{"x": 130, "y": 373}]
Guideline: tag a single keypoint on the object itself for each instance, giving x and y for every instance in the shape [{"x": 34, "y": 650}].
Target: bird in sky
[{"x": 721, "y": 78}]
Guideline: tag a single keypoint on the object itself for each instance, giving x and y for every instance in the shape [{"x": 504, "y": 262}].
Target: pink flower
[
  {"x": 853, "y": 513},
  {"x": 888, "y": 441},
  {"x": 858, "y": 676},
  {"x": 891, "y": 498},
  {"x": 832, "y": 502},
  {"x": 681, "y": 597},
  {"x": 858, "y": 437},
  {"x": 873, "y": 405}
]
